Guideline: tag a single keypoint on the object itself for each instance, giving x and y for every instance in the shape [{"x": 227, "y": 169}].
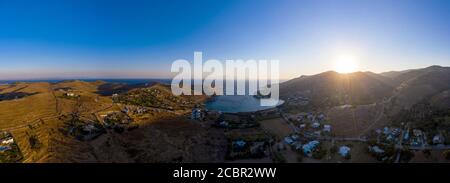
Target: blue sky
[{"x": 140, "y": 39}]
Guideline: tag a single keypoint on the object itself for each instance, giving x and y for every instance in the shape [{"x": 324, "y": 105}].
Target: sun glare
[{"x": 345, "y": 64}]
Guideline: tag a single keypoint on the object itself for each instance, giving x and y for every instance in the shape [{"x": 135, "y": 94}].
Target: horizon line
[{"x": 166, "y": 78}]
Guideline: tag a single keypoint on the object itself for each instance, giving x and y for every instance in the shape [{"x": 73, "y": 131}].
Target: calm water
[{"x": 236, "y": 103}]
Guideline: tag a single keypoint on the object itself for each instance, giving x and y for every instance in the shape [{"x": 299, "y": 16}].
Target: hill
[
  {"x": 42, "y": 114},
  {"x": 332, "y": 88},
  {"x": 402, "y": 88}
]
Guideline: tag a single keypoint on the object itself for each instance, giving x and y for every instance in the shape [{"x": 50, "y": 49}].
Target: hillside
[
  {"x": 403, "y": 88},
  {"x": 332, "y": 88},
  {"x": 42, "y": 116},
  {"x": 423, "y": 98},
  {"x": 420, "y": 85},
  {"x": 157, "y": 96}
]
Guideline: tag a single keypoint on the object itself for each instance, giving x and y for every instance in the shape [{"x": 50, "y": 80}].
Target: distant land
[{"x": 125, "y": 81}]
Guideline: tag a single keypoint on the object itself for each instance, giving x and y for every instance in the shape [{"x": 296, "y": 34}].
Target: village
[{"x": 311, "y": 138}]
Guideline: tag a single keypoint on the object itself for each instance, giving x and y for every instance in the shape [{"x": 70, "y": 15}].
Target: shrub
[
  {"x": 333, "y": 149},
  {"x": 319, "y": 154},
  {"x": 34, "y": 142},
  {"x": 348, "y": 157},
  {"x": 406, "y": 155},
  {"x": 427, "y": 153},
  {"x": 278, "y": 158},
  {"x": 447, "y": 154}
]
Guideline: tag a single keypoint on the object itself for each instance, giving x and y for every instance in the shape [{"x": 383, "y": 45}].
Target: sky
[{"x": 75, "y": 39}]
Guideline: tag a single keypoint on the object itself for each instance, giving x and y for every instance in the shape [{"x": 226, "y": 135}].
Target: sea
[
  {"x": 237, "y": 103},
  {"x": 223, "y": 103}
]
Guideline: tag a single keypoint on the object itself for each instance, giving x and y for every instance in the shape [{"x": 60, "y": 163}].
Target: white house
[
  {"x": 310, "y": 146},
  {"x": 317, "y": 133},
  {"x": 223, "y": 123},
  {"x": 295, "y": 137},
  {"x": 395, "y": 131},
  {"x": 89, "y": 128},
  {"x": 316, "y": 125},
  {"x": 386, "y": 130},
  {"x": 437, "y": 139},
  {"x": 298, "y": 145},
  {"x": 406, "y": 135},
  {"x": 344, "y": 151},
  {"x": 321, "y": 116},
  {"x": 196, "y": 114},
  {"x": 239, "y": 143},
  {"x": 302, "y": 125},
  {"x": 4, "y": 148},
  {"x": 376, "y": 149},
  {"x": 288, "y": 140},
  {"x": 417, "y": 132},
  {"x": 7, "y": 141},
  {"x": 327, "y": 128},
  {"x": 71, "y": 94}
]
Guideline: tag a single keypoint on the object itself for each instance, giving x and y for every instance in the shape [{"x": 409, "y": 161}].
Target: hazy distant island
[{"x": 397, "y": 116}]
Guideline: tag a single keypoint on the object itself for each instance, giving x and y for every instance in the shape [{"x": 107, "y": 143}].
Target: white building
[
  {"x": 386, "y": 130},
  {"x": 316, "y": 125},
  {"x": 89, "y": 128},
  {"x": 417, "y": 132},
  {"x": 223, "y": 123},
  {"x": 71, "y": 94},
  {"x": 5, "y": 148},
  {"x": 309, "y": 147},
  {"x": 327, "y": 128},
  {"x": 7, "y": 141},
  {"x": 196, "y": 114},
  {"x": 321, "y": 116},
  {"x": 344, "y": 151},
  {"x": 288, "y": 140},
  {"x": 376, "y": 149},
  {"x": 437, "y": 139}
]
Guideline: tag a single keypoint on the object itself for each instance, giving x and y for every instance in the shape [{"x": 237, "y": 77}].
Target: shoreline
[{"x": 213, "y": 98}]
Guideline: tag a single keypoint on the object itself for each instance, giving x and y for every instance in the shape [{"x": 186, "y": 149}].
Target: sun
[{"x": 345, "y": 64}]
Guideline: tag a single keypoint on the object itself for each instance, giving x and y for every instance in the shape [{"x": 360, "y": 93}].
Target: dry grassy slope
[
  {"x": 357, "y": 120},
  {"x": 156, "y": 140},
  {"x": 420, "y": 85},
  {"x": 28, "y": 116},
  {"x": 29, "y": 109},
  {"x": 441, "y": 100},
  {"x": 38, "y": 115},
  {"x": 88, "y": 102}
]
